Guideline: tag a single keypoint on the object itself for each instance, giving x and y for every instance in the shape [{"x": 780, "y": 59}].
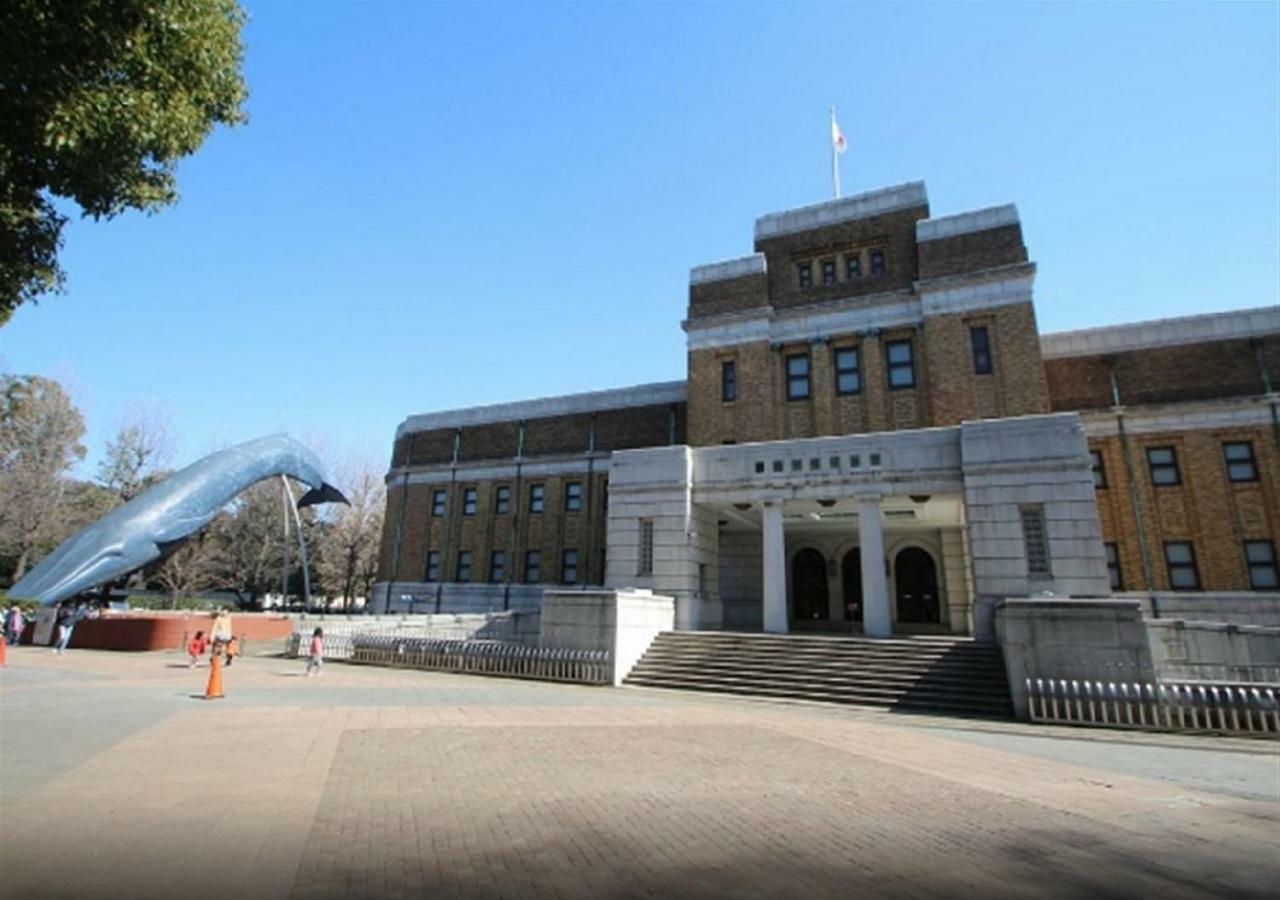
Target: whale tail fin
[{"x": 326, "y": 493}]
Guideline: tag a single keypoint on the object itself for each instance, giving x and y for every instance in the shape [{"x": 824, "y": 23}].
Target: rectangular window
[
  {"x": 1180, "y": 560},
  {"x": 798, "y": 377},
  {"x": 877, "y": 262},
  {"x": 537, "y": 493},
  {"x": 848, "y": 371},
  {"x": 573, "y": 496},
  {"x": 901, "y": 364},
  {"x": 1241, "y": 466},
  {"x": 1036, "y": 539},
  {"x": 1113, "y": 567},
  {"x": 728, "y": 381},
  {"x": 469, "y": 502},
  {"x": 1099, "y": 471},
  {"x": 1261, "y": 557},
  {"x": 433, "y": 565},
  {"x": 569, "y": 567},
  {"x": 437, "y": 503},
  {"x": 853, "y": 266},
  {"x": 645, "y": 563},
  {"x": 532, "y": 566},
  {"x": 702, "y": 579},
  {"x": 497, "y": 563},
  {"x": 464, "y": 565},
  {"x": 502, "y": 500},
  {"x": 1163, "y": 463},
  {"x": 980, "y": 341},
  {"x": 828, "y": 271},
  {"x": 804, "y": 272}
]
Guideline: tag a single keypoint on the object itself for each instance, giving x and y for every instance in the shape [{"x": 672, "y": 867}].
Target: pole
[
  {"x": 835, "y": 158},
  {"x": 302, "y": 545},
  {"x": 284, "y": 546}
]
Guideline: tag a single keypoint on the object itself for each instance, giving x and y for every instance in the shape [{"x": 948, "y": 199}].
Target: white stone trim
[
  {"x": 950, "y": 297},
  {"x": 594, "y": 401},
  {"x": 1242, "y": 323},
  {"x": 966, "y": 222},
  {"x": 859, "y": 206},
  {"x": 731, "y": 268},
  {"x": 1103, "y": 424}
]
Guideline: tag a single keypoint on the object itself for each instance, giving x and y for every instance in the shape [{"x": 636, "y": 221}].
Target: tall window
[
  {"x": 469, "y": 502},
  {"x": 1099, "y": 470},
  {"x": 464, "y": 565},
  {"x": 728, "y": 381},
  {"x": 798, "y": 377},
  {"x": 980, "y": 341},
  {"x": 502, "y": 500},
  {"x": 877, "y": 262},
  {"x": 848, "y": 371},
  {"x": 433, "y": 565},
  {"x": 1241, "y": 466},
  {"x": 1180, "y": 560},
  {"x": 569, "y": 567},
  {"x": 1036, "y": 539},
  {"x": 537, "y": 496},
  {"x": 828, "y": 271},
  {"x": 1261, "y": 557},
  {"x": 804, "y": 273},
  {"x": 645, "y": 564},
  {"x": 853, "y": 266},
  {"x": 1113, "y": 567},
  {"x": 573, "y": 496},
  {"x": 437, "y": 503},
  {"x": 532, "y": 566},
  {"x": 1163, "y": 463},
  {"x": 901, "y": 364},
  {"x": 497, "y": 565}
]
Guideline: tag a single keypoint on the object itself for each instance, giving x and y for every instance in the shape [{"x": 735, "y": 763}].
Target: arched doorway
[
  {"x": 851, "y": 582},
  {"x": 809, "y": 585},
  {"x": 916, "y": 581}
]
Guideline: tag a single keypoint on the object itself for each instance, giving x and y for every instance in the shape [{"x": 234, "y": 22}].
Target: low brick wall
[{"x": 261, "y": 632}]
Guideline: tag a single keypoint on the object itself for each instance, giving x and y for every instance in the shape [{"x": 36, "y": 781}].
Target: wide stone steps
[{"x": 943, "y": 675}]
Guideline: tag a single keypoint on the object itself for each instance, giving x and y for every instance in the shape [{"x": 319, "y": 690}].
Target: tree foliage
[
  {"x": 136, "y": 456},
  {"x": 99, "y": 100},
  {"x": 347, "y": 557}
]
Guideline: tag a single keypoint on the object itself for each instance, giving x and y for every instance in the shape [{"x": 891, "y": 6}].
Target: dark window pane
[
  {"x": 828, "y": 271},
  {"x": 469, "y": 502},
  {"x": 852, "y": 267},
  {"x": 804, "y": 272},
  {"x": 1261, "y": 557},
  {"x": 532, "y": 566},
  {"x": 728, "y": 381},
  {"x": 798, "y": 377},
  {"x": 981, "y": 343},
  {"x": 502, "y": 500},
  {"x": 848, "y": 372},
  {"x": 1099, "y": 473},
  {"x": 497, "y": 565},
  {"x": 1163, "y": 463},
  {"x": 437, "y": 503},
  {"x": 569, "y": 567},
  {"x": 433, "y": 565},
  {"x": 1241, "y": 465},
  {"x": 536, "y": 494},
  {"x": 877, "y": 262},
  {"x": 464, "y": 565},
  {"x": 573, "y": 496}
]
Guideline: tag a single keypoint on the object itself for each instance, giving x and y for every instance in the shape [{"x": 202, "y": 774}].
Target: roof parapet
[
  {"x": 831, "y": 212},
  {"x": 729, "y": 268},
  {"x": 966, "y": 222}
]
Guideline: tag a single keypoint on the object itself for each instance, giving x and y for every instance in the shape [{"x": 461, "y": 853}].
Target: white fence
[
  {"x": 484, "y": 658},
  {"x": 508, "y": 627},
  {"x": 1223, "y": 708}
]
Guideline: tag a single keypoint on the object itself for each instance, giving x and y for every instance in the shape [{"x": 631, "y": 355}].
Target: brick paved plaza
[{"x": 115, "y": 782}]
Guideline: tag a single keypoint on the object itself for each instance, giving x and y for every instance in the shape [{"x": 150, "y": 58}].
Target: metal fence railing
[
  {"x": 1218, "y": 707},
  {"x": 483, "y": 658}
]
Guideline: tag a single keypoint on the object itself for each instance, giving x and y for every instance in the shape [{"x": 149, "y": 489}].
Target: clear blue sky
[{"x": 443, "y": 205}]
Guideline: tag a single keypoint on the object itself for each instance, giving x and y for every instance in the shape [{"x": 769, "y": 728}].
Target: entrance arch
[
  {"x": 916, "y": 584},
  {"x": 851, "y": 584},
  {"x": 809, "y": 585}
]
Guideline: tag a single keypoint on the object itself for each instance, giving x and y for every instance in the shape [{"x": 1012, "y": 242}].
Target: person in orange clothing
[{"x": 196, "y": 647}]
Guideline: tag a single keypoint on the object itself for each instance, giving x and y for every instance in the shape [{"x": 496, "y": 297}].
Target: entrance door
[
  {"x": 809, "y": 585},
  {"x": 851, "y": 581},
  {"x": 916, "y": 580}
]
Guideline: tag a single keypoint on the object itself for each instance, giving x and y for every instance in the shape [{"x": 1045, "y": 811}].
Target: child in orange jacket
[{"x": 196, "y": 647}]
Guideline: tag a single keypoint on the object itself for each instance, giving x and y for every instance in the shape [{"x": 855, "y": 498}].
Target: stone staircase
[{"x": 950, "y": 676}]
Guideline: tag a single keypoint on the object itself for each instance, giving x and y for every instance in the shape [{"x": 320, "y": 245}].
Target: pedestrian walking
[
  {"x": 315, "y": 654},
  {"x": 196, "y": 647},
  {"x": 220, "y": 633},
  {"x": 66, "y": 622},
  {"x": 14, "y": 623}
]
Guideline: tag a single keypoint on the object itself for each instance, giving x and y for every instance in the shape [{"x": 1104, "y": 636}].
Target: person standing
[
  {"x": 220, "y": 634},
  {"x": 315, "y": 654},
  {"x": 66, "y": 622},
  {"x": 196, "y": 647},
  {"x": 14, "y": 623}
]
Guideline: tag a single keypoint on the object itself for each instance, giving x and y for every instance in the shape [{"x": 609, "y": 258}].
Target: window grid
[
  {"x": 433, "y": 565},
  {"x": 901, "y": 365},
  {"x": 437, "y": 504},
  {"x": 853, "y": 266},
  {"x": 469, "y": 502},
  {"x": 798, "y": 376},
  {"x": 645, "y": 562},
  {"x": 569, "y": 567},
  {"x": 1036, "y": 539},
  {"x": 804, "y": 273},
  {"x": 1241, "y": 465},
  {"x": 464, "y": 565},
  {"x": 497, "y": 565},
  {"x": 1180, "y": 562},
  {"x": 828, "y": 271},
  {"x": 573, "y": 496},
  {"x": 537, "y": 497},
  {"x": 980, "y": 342},
  {"x": 1163, "y": 464},
  {"x": 877, "y": 262},
  {"x": 532, "y": 566},
  {"x": 848, "y": 371},
  {"x": 502, "y": 500},
  {"x": 1261, "y": 558},
  {"x": 728, "y": 381}
]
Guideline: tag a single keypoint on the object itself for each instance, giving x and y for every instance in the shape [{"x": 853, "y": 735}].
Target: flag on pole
[{"x": 838, "y": 143}]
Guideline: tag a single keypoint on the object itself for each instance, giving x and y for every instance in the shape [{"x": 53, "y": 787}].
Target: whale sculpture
[{"x": 158, "y": 520}]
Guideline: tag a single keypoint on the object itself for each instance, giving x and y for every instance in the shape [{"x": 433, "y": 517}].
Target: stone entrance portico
[{"x": 765, "y": 535}]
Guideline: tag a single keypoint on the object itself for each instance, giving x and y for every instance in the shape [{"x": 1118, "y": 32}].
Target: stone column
[
  {"x": 876, "y": 621},
  {"x": 775, "y": 569}
]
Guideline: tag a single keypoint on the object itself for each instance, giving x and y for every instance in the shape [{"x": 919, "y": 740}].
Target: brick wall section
[
  {"x": 1216, "y": 515},
  {"x": 730, "y": 295},
  {"x": 557, "y": 434},
  {"x": 494, "y": 441},
  {"x": 895, "y": 233},
  {"x": 986, "y": 249},
  {"x": 426, "y": 448},
  {"x": 1163, "y": 374},
  {"x": 641, "y": 426}
]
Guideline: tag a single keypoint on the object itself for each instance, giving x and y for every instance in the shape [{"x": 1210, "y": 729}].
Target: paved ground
[{"x": 116, "y": 782}]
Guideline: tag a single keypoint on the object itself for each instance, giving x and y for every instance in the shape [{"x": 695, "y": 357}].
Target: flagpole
[{"x": 835, "y": 160}]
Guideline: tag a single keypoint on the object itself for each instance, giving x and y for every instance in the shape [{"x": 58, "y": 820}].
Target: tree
[
  {"x": 249, "y": 542},
  {"x": 190, "y": 568},
  {"x": 136, "y": 456},
  {"x": 99, "y": 100},
  {"x": 40, "y": 432},
  {"x": 347, "y": 561}
]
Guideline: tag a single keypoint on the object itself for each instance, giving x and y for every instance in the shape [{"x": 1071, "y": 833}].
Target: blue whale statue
[{"x": 162, "y": 517}]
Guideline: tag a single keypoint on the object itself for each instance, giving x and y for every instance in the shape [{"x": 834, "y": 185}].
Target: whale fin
[{"x": 326, "y": 493}]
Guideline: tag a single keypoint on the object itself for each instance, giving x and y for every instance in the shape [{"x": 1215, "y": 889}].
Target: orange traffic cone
[
  {"x": 2, "y": 660},
  {"x": 214, "y": 689}
]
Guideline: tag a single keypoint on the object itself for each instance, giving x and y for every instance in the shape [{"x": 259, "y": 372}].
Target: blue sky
[{"x": 444, "y": 205}]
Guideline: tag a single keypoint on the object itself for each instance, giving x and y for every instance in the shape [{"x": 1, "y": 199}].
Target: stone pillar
[
  {"x": 775, "y": 569},
  {"x": 876, "y": 621}
]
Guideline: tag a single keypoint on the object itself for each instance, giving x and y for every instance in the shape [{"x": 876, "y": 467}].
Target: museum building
[{"x": 873, "y": 437}]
